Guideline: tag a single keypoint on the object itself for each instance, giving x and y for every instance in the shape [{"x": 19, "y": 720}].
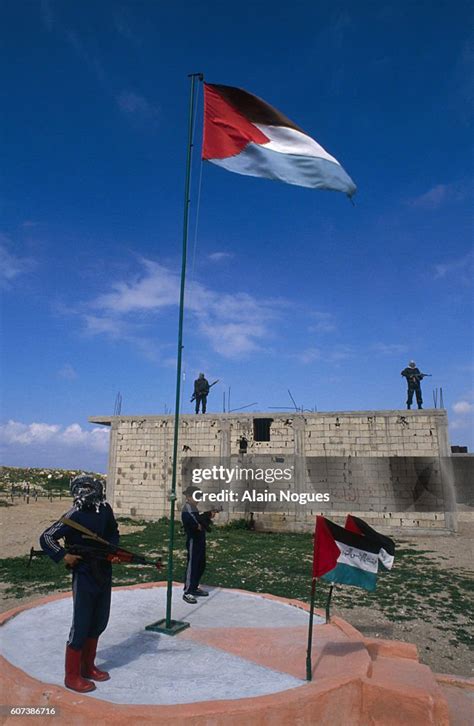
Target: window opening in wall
[{"x": 261, "y": 429}]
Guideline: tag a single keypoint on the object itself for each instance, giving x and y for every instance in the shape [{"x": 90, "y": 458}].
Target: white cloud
[
  {"x": 92, "y": 62},
  {"x": 219, "y": 256},
  {"x": 67, "y": 372},
  {"x": 125, "y": 25},
  {"x": 156, "y": 288},
  {"x": 233, "y": 339},
  {"x": 389, "y": 348},
  {"x": 18, "y": 433},
  {"x": 135, "y": 104},
  {"x": 233, "y": 324},
  {"x": 341, "y": 352},
  {"x": 460, "y": 268},
  {"x": 438, "y": 195},
  {"x": 309, "y": 355},
  {"x": 11, "y": 266},
  {"x": 104, "y": 325},
  {"x": 463, "y": 420},
  {"x": 44, "y": 444},
  {"x": 463, "y": 407},
  {"x": 323, "y": 322},
  {"x": 14, "y": 432},
  {"x": 332, "y": 354},
  {"x": 431, "y": 199},
  {"x": 460, "y": 424}
]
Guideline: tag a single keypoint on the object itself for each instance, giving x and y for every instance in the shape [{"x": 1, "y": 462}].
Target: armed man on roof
[
  {"x": 414, "y": 378},
  {"x": 201, "y": 392}
]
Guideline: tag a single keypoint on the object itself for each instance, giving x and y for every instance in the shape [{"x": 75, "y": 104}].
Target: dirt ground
[
  {"x": 23, "y": 523},
  {"x": 21, "y": 526}
]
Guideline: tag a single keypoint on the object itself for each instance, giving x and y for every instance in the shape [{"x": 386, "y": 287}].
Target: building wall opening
[{"x": 261, "y": 429}]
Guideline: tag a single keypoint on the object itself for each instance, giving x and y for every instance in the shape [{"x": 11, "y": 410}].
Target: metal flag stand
[
  {"x": 328, "y": 604},
  {"x": 309, "y": 667},
  {"x": 167, "y": 625}
]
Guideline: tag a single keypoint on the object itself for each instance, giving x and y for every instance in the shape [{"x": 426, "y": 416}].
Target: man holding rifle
[
  {"x": 414, "y": 378},
  {"x": 201, "y": 392},
  {"x": 195, "y": 525},
  {"x": 91, "y": 576}
]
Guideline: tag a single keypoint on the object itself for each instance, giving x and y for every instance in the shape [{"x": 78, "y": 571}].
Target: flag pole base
[{"x": 176, "y": 626}]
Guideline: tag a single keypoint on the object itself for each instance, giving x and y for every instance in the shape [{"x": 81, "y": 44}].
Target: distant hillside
[{"x": 45, "y": 481}]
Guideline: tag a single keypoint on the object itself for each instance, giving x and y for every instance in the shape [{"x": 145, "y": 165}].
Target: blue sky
[{"x": 287, "y": 287}]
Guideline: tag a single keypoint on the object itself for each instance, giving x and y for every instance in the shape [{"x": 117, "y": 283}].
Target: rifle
[
  {"x": 96, "y": 553},
  {"x": 205, "y": 394},
  {"x": 105, "y": 551},
  {"x": 205, "y": 518},
  {"x": 417, "y": 377}
]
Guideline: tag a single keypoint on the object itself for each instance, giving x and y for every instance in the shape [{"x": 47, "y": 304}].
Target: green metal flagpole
[
  {"x": 328, "y": 604},
  {"x": 167, "y": 625},
  {"x": 309, "y": 667}
]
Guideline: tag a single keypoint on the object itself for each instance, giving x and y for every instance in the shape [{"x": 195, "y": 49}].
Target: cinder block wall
[
  {"x": 140, "y": 459},
  {"x": 463, "y": 467}
]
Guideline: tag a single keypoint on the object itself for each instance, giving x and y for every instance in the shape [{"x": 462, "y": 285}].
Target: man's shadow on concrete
[
  {"x": 148, "y": 642},
  {"x": 133, "y": 647}
]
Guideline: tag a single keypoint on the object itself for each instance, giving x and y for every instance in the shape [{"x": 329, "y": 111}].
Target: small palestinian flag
[
  {"x": 344, "y": 557},
  {"x": 246, "y": 135},
  {"x": 387, "y": 545}
]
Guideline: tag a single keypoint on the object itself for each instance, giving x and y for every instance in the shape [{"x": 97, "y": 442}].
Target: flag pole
[
  {"x": 167, "y": 625},
  {"x": 309, "y": 668},
  {"x": 328, "y": 604}
]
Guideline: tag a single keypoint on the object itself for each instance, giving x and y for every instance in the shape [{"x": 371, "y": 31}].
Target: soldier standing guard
[
  {"x": 91, "y": 578},
  {"x": 195, "y": 525},
  {"x": 414, "y": 377},
  {"x": 201, "y": 391}
]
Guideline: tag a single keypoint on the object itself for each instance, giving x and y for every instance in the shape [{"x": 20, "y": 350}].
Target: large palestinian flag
[
  {"x": 246, "y": 135},
  {"x": 343, "y": 556},
  {"x": 387, "y": 545}
]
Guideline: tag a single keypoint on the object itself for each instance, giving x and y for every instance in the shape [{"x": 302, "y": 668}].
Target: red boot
[
  {"x": 73, "y": 677},
  {"x": 88, "y": 669}
]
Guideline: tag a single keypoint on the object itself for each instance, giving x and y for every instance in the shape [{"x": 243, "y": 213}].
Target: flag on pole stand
[
  {"x": 347, "y": 555},
  {"x": 344, "y": 557},
  {"x": 246, "y": 135}
]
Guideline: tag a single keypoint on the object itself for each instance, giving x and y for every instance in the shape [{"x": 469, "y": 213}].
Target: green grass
[{"x": 279, "y": 564}]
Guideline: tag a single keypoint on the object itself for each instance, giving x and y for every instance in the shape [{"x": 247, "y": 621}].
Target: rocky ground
[
  {"x": 23, "y": 523},
  {"x": 448, "y": 551}
]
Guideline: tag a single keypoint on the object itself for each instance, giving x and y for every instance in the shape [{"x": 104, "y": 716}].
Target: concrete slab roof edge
[{"x": 107, "y": 420}]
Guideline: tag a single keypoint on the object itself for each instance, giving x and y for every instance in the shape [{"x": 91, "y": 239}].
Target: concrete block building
[{"x": 392, "y": 468}]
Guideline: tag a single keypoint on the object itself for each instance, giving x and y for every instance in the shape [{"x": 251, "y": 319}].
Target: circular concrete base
[{"x": 243, "y": 658}]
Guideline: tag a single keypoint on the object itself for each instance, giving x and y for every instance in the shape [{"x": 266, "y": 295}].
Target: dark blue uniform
[
  {"x": 195, "y": 545},
  {"x": 201, "y": 392},
  {"x": 91, "y": 578},
  {"x": 413, "y": 376}
]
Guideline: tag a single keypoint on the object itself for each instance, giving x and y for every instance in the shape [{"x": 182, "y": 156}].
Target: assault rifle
[
  {"x": 204, "y": 394},
  {"x": 86, "y": 552},
  {"x": 418, "y": 376},
  {"x": 104, "y": 550},
  {"x": 205, "y": 518}
]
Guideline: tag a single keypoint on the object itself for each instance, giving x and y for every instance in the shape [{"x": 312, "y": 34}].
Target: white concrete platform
[{"x": 150, "y": 668}]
